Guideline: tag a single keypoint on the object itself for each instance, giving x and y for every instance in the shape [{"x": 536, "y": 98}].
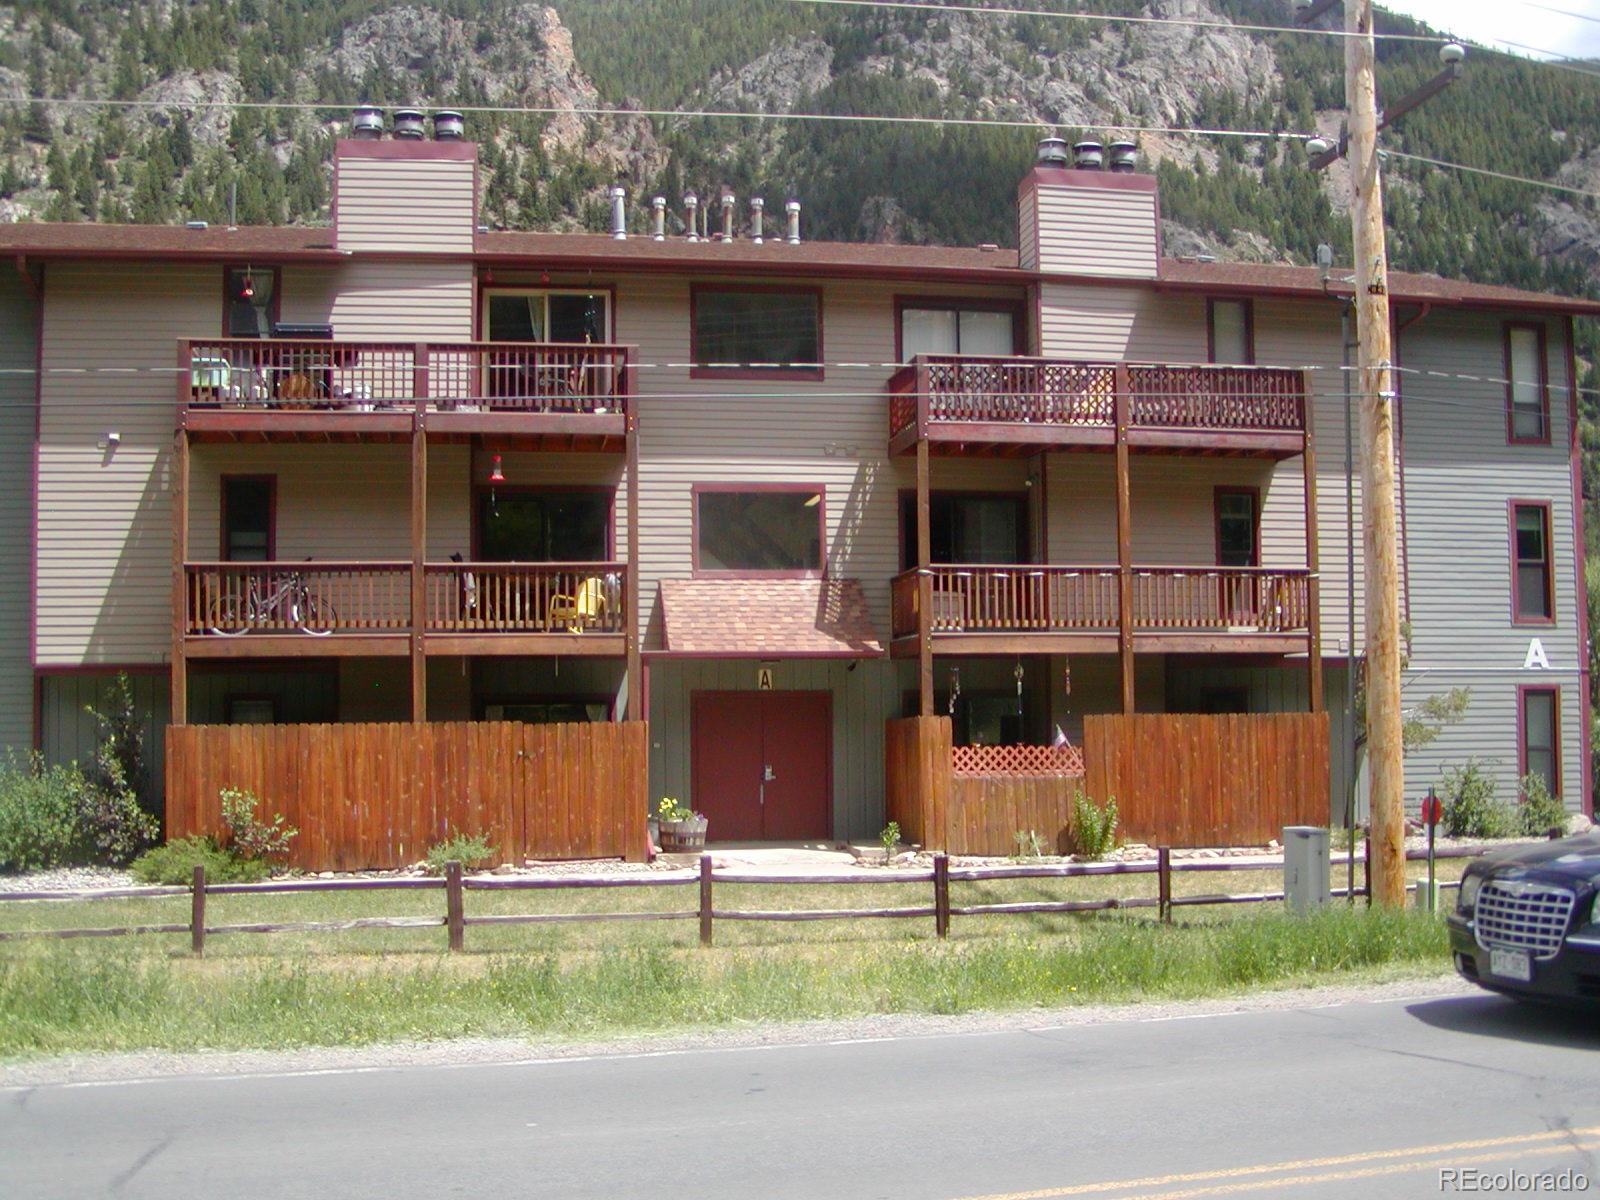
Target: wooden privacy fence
[
  {"x": 379, "y": 795},
  {"x": 1193, "y": 780},
  {"x": 1178, "y": 779}
]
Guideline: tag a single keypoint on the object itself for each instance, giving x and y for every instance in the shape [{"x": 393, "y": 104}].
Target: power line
[
  {"x": 1485, "y": 171},
  {"x": 1560, "y": 12}
]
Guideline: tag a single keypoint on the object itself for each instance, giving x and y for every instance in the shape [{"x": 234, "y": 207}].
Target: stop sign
[{"x": 1432, "y": 809}]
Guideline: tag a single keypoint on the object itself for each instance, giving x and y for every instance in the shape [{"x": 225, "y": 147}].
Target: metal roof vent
[
  {"x": 448, "y": 126},
  {"x": 727, "y": 216},
  {"x": 757, "y": 212},
  {"x": 366, "y": 123},
  {"x": 792, "y": 208},
  {"x": 691, "y": 209},
  {"x": 408, "y": 124},
  {"x": 658, "y": 206},
  {"x": 1089, "y": 156},
  {"x": 1053, "y": 152},
  {"x": 1124, "y": 157},
  {"x": 619, "y": 213}
]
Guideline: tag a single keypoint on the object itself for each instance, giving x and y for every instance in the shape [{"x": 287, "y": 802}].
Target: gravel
[{"x": 67, "y": 879}]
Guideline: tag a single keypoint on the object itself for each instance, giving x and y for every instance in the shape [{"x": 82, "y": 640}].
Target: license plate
[{"x": 1511, "y": 964}]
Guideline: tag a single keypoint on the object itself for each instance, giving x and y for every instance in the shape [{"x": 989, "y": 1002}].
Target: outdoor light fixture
[
  {"x": 496, "y": 475},
  {"x": 1318, "y": 146},
  {"x": 813, "y": 500},
  {"x": 1451, "y": 53}
]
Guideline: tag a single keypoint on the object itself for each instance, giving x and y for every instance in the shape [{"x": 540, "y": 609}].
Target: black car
[{"x": 1527, "y": 921}]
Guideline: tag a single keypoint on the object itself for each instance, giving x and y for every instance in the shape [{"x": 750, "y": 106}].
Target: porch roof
[{"x": 767, "y": 618}]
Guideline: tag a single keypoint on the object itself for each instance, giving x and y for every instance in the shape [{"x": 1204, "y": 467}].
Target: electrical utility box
[{"x": 1305, "y": 867}]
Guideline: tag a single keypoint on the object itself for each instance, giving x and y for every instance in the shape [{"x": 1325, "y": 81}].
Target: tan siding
[
  {"x": 402, "y": 302},
  {"x": 1028, "y": 230},
  {"x": 1093, "y": 231},
  {"x": 17, "y": 362},
  {"x": 1107, "y": 323},
  {"x": 405, "y": 204}
]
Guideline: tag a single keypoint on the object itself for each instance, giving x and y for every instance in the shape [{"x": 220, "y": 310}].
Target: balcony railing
[
  {"x": 340, "y": 376},
  {"x": 959, "y": 389},
  {"x": 1070, "y": 599},
  {"x": 316, "y": 599}
]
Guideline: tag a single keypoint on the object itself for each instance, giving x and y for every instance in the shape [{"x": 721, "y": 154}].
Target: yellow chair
[{"x": 581, "y": 609}]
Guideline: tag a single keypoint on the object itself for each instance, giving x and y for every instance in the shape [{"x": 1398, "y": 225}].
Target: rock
[
  {"x": 1578, "y": 823},
  {"x": 504, "y": 869},
  {"x": 325, "y": 875},
  {"x": 777, "y": 80},
  {"x": 182, "y": 90}
]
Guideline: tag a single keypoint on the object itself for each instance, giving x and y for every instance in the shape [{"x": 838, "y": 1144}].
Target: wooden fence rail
[
  {"x": 376, "y": 795},
  {"x": 455, "y": 885}
]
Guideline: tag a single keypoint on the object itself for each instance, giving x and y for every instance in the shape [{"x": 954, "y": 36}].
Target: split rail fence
[{"x": 456, "y": 885}]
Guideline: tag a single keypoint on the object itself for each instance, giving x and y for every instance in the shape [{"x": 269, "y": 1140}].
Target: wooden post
[
  {"x": 941, "y": 894},
  {"x": 1366, "y": 865},
  {"x": 419, "y": 544},
  {"x": 180, "y": 575},
  {"x": 1164, "y": 881},
  {"x": 454, "y": 910},
  {"x": 705, "y": 899},
  {"x": 1313, "y": 558},
  {"x": 1373, "y": 331},
  {"x": 631, "y": 586},
  {"x": 1124, "y": 543},
  {"x": 924, "y": 579},
  {"x": 197, "y": 912}
]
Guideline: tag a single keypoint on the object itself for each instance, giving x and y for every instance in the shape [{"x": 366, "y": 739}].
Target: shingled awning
[{"x": 768, "y": 618}]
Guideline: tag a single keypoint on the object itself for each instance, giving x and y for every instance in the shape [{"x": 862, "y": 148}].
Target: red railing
[
  {"x": 498, "y": 597},
  {"x": 341, "y": 376},
  {"x": 313, "y": 598},
  {"x": 1057, "y": 599},
  {"x": 1041, "y": 391}
]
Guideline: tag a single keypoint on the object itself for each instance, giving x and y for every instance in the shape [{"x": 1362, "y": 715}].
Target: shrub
[
  {"x": 1539, "y": 812},
  {"x": 1470, "y": 807},
  {"x": 474, "y": 851},
  {"x": 54, "y": 816},
  {"x": 119, "y": 764},
  {"x": 890, "y": 837},
  {"x": 250, "y": 837},
  {"x": 175, "y": 862},
  {"x": 1029, "y": 844},
  {"x": 1094, "y": 830}
]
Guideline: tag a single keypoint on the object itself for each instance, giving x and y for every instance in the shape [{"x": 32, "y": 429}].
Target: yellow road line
[{"x": 1304, "y": 1164}]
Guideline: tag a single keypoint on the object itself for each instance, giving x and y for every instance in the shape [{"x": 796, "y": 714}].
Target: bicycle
[{"x": 289, "y": 600}]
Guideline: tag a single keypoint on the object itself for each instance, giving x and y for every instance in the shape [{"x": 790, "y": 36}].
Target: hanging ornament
[
  {"x": 248, "y": 290},
  {"x": 1018, "y": 674},
  {"x": 955, "y": 688},
  {"x": 496, "y": 475},
  {"x": 1066, "y": 676}
]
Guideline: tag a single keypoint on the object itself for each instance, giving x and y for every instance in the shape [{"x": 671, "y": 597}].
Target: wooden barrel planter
[{"x": 678, "y": 837}]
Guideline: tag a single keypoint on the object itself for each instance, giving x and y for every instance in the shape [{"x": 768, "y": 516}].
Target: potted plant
[{"x": 681, "y": 828}]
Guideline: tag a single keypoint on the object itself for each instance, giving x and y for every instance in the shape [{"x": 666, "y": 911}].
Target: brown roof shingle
[{"x": 768, "y": 618}]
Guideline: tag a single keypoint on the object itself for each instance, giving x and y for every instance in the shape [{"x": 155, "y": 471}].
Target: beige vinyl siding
[
  {"x": 105, "y": 532},
  {"x": 1097, "y": 231},
  {"x": 1109, "y": 323},
  {"x": 18, "y": 327},
  {"x": 384, "y": 300},
  {"x": 405, "y": 204}
]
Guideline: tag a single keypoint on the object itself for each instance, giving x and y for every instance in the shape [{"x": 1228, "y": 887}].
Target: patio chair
[{"x": 581, "y": 609}]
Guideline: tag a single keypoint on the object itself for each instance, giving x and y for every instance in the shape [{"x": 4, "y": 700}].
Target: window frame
[
  {"x": 1538, "y": 330},
  {"x": 1545, "y": 507},
  {"x": 1249, "y": 307},
  {"x": 251, "y": 698},
  {"x": 697, "y": 371},
  {"x": 486, "y": 290},
  {"x": 274, "y": 309},
  {"x": 906, "y": 541},
  {"x": 1554, "y": 692},
  {"x": 480, "y": 490},
  {"x": 957, "y": 304},
  {"x": 1217, "y": 493},
  {"x": 700, "y": 489},
  {"x": 272, "y": 513}
]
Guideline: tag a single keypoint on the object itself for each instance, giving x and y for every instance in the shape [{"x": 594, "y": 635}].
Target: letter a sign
[
  {"x": 764, "y": 679},
  {"x": 1536, "y": 658}
]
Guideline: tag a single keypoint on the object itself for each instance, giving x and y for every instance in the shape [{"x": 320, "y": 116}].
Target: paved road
[{"x": 1364, "y": 1099}]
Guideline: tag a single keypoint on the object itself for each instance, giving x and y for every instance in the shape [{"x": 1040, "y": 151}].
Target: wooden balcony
[
  {"x": 1018, "y": 406},
  {"x": 1042, "y": 609},
  {"x": 556, "y": 395},
  {"x": 335, "y": 609}
]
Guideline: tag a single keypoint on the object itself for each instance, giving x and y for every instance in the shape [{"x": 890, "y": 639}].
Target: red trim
[
  {"x": 1397, "y": 381},
  {"x": 1579, "y": 550},
  {"x": 275, "y": 313},
  {"x": 1217, "y": 493},
  {"x": 417, "y": 148},
  {"x": 1249, "y": 327},
  {"x": 902, "y": 547},
  {"x": 272, "y": 513},
  {"x": 1554, "y": 692},
  {"x": 1549, "y": 561},
  {"x": 1544, "y": 383},
  {"x": 819, "y": 489},
  {"x": 703, "y": 372},
  {"x": 481, "y": 285},
  {"x": 1116, "y": 181},
  {"x": 523, "y": 489},
  {"x": 33, "y": 504},
  {"x": 1015, "y": 307},
  {"x": 758, "y": 655}
]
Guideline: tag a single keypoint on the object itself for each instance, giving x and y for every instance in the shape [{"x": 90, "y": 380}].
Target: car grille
[{"x": 1526, "y": 916}]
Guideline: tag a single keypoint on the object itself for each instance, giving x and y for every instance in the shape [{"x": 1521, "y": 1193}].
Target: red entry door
[{"x": 762, "y": 764}]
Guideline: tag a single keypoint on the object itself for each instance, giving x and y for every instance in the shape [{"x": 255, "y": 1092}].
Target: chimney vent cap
[
  {"x": 1088, "y": 155},
  {"x": 366, "y": 122},
  {"x": 1124, "y": 156},
  {"x": 1052, "y": 152},
  {"x": 408, "y": 123},
  {"x": 448, "y": 125}
]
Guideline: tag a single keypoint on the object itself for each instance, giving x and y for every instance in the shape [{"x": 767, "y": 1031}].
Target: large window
[
  {"x": 521, "y": 315},
  {"x": 766, "y": 332},
  {"x": 1539, "y": 724},
  {"x": 1533, "y": 579},
  {"x": 249, "y": 504},
  {"x": 1238, "y": 527},
  {"x": 543, "y": 526},
  {"x": 1527, "y": 390},
  {"x": 771, "y": 531},
  {"x": 1231, "y": 331},
  {"x": 932, "y": 327},
  {"x": 967, "y": 527},
  {"x": 249, "y": 301}
]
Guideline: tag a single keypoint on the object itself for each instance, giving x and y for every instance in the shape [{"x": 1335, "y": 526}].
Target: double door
[{"x": 761, "y": 765}]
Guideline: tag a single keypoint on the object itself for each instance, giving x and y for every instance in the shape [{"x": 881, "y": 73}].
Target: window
[
  {"x": 933, "y": 328},
  {"x": 252, "y": 710},
  {"x": 1527, "y": 392},
  {"x": 1539, "y": 724},
  {"x": 967, "y": 527},
  {"x": 249, "y": 504},
  {"x": 543, "y": 526},
  {"x": 1238, "y": 528},
  {"x": 250, "y": 301},
  {"x": 769, "y": 333},
  {"x": 1231, "y": 331},
  {"x": 546, "y": 316},
  {"x": 1533, "y": 583},
  {"x": 983, "y": 717},
  {"x": 770, "y": 531},
  {"x": 548, "y": 712}
]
